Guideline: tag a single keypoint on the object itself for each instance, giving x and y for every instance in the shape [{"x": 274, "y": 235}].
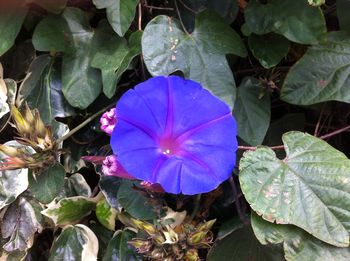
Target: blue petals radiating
[{"x": 173, "y": 132}]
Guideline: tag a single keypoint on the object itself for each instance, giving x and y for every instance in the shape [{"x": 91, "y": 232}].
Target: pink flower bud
[
  {"x": 111, "y": 167},
  {"x": 108, "y": 121}
]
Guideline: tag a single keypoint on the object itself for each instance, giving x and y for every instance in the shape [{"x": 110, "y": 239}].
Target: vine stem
[
  {"x": 179, "y": 15},
  {"x": 279, "y": 147},
  {"x": 84, "y": 123},
  {"x": 196, "y": 206}
]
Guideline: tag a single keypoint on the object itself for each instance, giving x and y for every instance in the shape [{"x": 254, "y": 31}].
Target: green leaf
[
  {"x": 81, "y": 83},
  {"x": 296, "y": 20},
  {"x": 42, "y": 90},
  {"x": 72, "y": 34},
  {"x": 242, "y": 245},
  {"x": 134, "y": 202},
  {"x": 200, "y": 55},
  {"x": 75, "y": 185},
  {"x": 343, "y": 14},
  {"x": 120, "y": 14},
  {"x": 118, "y": 248},
  {"x": 310, "y": 188},
  {"x": 10, "y": 24},
  {"x": 269, "y": 49},
  {"x": 76, "y": 243},
  {"x": 105, "y": 214},
  {"x": 12, "y": 182},
  {"x": 53, "y": 6},
  {"x": 47, "y": 184},
  {"x": 252, "y": 114},
  {"x": 103, "y": 235},
  {"x": 20, "y": 222},
  {"x": 298, "y": 245},
  {"x": 109, "y": 186},
  {"x": 113, "y": 56},
  {"x": 69, "y": 210},
  {"x": 310, "y": 81},
  {"x": 11, "y": 88}
]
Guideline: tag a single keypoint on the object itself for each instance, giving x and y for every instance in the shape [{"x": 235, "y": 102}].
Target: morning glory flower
[
  {"x": 108, "y": 121},
  {"x": 173, "y": 132},
  {"x": 111, "y": 167}
]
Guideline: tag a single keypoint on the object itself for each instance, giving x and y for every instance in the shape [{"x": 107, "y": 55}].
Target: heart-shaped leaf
[
  {"x": 199, "y": 55},
  {"x": 310, "y": 188}
]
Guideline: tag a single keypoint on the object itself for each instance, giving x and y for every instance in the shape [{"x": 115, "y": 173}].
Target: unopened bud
[
  {"x": 39, "y": 125},
  {"x": 10, "y": 151},
  {"x": 141, "y": 245},
  {"x": 206, "y": 226},
  {"x": 21, "y": 124},
  {"x": 158, "y": 239},
  {"x": 144, "y": 226},
  {"x": 28, "y": 115},
  {"x": 197, "y": 237},
  {"x": 192, "y": 255}
]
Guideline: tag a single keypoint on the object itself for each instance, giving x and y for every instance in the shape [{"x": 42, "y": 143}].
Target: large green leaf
[
  {"x": 322, "y": 74},
  {"x": 199, "y": 55},
  {"x": 72, "y": 34},
  {"x": 75, "y": 243},
  {"x": 296, "y": 20},
  {"x": 113, "y": 55},
  {"x": 120, "y": 14},
  {"x": 20, "y": 222},
  {"x": 269, "y": 49},
  {"x": 252, "y": 114},
  {"x": 69, "y": 210},
  {"x": 109, "y": 186},
  {"x": 310, "y": 188},
  {"x": 134, "y": 202},
  {"x": 10, "y": 25},
  {"x": 46, "y": 185},
  {"x": 12, "y": 182},
  {"x": 75, "y": 185},
  {"x": 298, "y": 245},
  {"x": 118, "y": 248},
  {"x": 242, "y": 245},
  {"x": 343, "y": 7},
  {"x": 105, "y": 214}
]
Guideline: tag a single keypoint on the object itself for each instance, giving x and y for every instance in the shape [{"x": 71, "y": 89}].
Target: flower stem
[
  {"x": 196, "y": 206},
  {"x": 84, "y": 123}
]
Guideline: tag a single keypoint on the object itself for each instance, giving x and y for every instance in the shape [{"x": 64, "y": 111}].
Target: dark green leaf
[
  {"x": 103, "y": 235},
  {"x": 69, "y": 210},
  {"x": 322, "y": 74},
  {"x": 75, "y": 185},
  {"x": 72, "y": 34},
  {"x": 10, "y": 25},
  {"x": 134, "y": 202},
  {"x": 200, "y": 55},
  {"x": 118, "y": 248},
  {"x": 52, "y": 34},
  {"x": 113, "y": 55},
  {"x": 242, "y": 245},
  {"x": 343, "y": 7},
  {"x": 120, "y": 14},
  {"x": 20, "y": 222},
  {"x": 46, "y": 185},
  {"x": 12, "y": 182},
  {"x": 105, "y": 214},
  {"x": 252, "y": 114},
  {"x": 269, "y": 49},
  {"x": 75, "y": 243},
  {"x": 296, "y": 20},
  {"x": 310, "y": 188},
  {"x": 298, "y": 244},
  {"x": 109, "y": 186}
]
